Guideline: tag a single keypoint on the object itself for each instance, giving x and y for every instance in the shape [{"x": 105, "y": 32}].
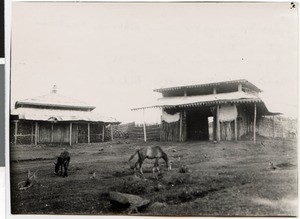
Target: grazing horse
[
  {"x": 63, "y": 161},
  {"x": 151, "y": 153}
]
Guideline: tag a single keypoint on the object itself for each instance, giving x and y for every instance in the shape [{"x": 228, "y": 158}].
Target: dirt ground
[{"x": 228, "y": 178}]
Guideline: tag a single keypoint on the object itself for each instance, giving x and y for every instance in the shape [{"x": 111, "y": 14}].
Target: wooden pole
[
  {"x": 31, "y": 139},
  {"x": 235, "y": 126},
  {"x": 184, "y": 128},
  {"x": 180, "y": 126},
  {"x": 254, "y": 125},
  {"x": 273, "y": 126},
  {"x": 144, "y": 126},
  {"x": 111, "y": 132},
  {"x": 77, "y": 133},
  {"x": 51, "y": 132},
  {"x": 214, "y": 127},
  {"x": 235, "y": 129},
  {"x": 89, "y": 134},
  {"x": 70, "y": 140},
  {"x": 218, "y": 123},
  {"x": 103, "y": 132},
  {"x": 16, "y": 132},
  {"x": 36, "y": 133}
]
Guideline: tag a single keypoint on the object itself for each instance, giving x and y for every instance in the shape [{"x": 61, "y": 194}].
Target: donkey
[
  {"x": 63, "y": 161},
  {"x": 154, "y": 152}
]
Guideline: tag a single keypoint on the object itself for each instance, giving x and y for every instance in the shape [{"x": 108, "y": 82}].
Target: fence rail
[{"x": 133, "y": 131}]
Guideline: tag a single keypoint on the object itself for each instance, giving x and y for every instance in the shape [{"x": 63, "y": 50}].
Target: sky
[{"x": 112, "y": 55}]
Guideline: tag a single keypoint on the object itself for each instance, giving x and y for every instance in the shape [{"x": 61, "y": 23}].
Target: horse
[
  {"x": 154, "y": 152},
  {"x": 63, "y": 161}
]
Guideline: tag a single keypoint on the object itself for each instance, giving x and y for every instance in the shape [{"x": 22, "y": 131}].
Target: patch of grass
[
  {"x": 133, "y": 185},
  {"x": 179, "y": 179}
]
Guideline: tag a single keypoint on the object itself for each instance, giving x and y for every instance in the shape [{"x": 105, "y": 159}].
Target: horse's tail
[{"x": 131, "y": 157}]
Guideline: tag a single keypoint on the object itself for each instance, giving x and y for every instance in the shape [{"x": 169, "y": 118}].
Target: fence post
[
  {"x": 103, "y": 132},
  {"x": 51, "y": 133},
  {"x": 254, "y": 124},
  {"x": 16, "y": 131},
  {"x": 144, "y": 126},
  {"x": 180, "y": 126},
  {"x": 36, "y": 134},
  {"x": 111, "y": 132},
  {"x": 31, "y": 137},
  {"x": 273, "y": 126},
  {"x": 89, "y": 134},
  {"x": 218, "y": 123},
  {"x": 70, "y": 136}
]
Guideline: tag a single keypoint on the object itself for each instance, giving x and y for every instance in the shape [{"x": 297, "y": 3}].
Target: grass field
[{"x": 228, "y": 178}]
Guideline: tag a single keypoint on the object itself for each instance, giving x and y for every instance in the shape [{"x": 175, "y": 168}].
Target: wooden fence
[
  {"x": 133, "y": 131},
  {"x": 152, "y": 132}
]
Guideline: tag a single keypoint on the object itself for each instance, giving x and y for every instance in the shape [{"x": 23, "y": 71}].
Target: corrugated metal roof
[
  {"x": 54, "y": 100},
  {"x": 198, "y": 100},
  {"x": 243, "y": 81},
  {"x": 36, "y": 114}
]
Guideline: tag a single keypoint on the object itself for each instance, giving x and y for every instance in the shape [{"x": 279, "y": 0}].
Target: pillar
[
  {"x": 274, "y": 126},
  {"x": 70, "y": 140},
  {"x": 218, "y": 123},
  {"x": 32, "y": 134},
  {"x": 103, "y": 132},
  {"x": 89, "y": 133},
  {"x": 235, "y": 129},
  {"x": 144, "y": 126},
  {"x": 51, "y": 132},
  {"x": 254, "y": 125},
  {"x": 36, "y": 133},
  {"x": 16, "y": 131},
  {"x": 111, "y": 132},
  {"x": 180, "y": 126}
]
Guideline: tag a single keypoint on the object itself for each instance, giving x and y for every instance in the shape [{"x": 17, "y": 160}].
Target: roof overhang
[
  {"x": 55, "y": 115},
  {"x": 207, "y": 100}
]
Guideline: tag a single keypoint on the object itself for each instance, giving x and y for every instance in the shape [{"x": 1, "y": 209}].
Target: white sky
[{"x": 113, "y": 55}]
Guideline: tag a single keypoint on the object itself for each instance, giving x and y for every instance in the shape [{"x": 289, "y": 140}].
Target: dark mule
[
  {"x": 154, "y": 152},
  {"x": 63, "y": 161}
]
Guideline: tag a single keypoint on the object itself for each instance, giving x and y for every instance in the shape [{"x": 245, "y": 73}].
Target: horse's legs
[
  {"x": 66, "y": 169},
  {"x": 141, "y": 170},
  {"x": 155, "y": 167},
  {"x": 61, "y": 169}
]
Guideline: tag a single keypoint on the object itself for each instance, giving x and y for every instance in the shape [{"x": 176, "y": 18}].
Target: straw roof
[
  {"x": 244, "y": 82},
  {"x": 54, "y": 100},
  {"x": 55, "y": 107},
  {"x": 206, "y": 100},
  {"x": 37, "y": 114}
]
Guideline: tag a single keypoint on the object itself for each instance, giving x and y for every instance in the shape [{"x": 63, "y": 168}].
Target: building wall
[
  {"x": 170, "y": 131},
  {"x": 277, "y": 126},
  {"x": 61, "y": 133}
]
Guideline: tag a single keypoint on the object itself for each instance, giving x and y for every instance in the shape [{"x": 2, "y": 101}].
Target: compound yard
[{"x": 228, "y": 178}]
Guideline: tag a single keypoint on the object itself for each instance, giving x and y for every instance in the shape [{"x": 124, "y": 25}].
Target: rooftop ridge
[
  {"x": 54, "y": 99},
  {"x": 244, "y": 81}
]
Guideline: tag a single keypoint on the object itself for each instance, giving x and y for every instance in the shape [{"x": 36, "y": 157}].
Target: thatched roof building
[{"x": 54, "y": 118}]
